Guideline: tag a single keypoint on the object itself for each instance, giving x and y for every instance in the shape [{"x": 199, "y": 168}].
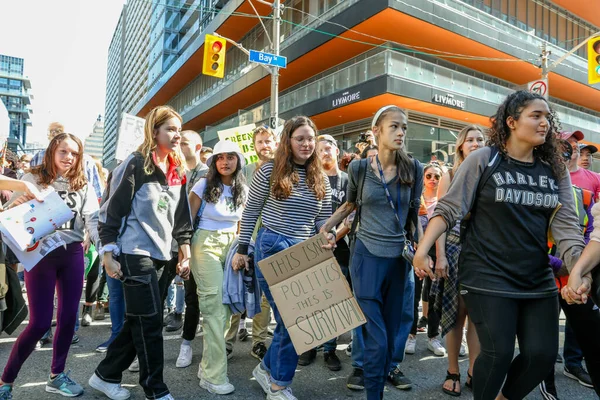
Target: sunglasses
[{"x": 436, "y": 176}]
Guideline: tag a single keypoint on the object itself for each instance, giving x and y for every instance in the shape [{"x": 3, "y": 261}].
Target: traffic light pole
[{"x": 275, "y": 70}]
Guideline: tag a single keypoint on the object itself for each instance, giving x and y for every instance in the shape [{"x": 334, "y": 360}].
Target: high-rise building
[
  {"x": 127, "y": 72},
  {"x": 15, "y": 94},
  {"x": 94, "y": 143},
  {"x": 447, "y": 63}
]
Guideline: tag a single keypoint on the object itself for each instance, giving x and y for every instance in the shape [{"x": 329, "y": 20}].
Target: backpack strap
[
  {"x": 139, "y": 181},
  {"x": 362, "y": 174}
]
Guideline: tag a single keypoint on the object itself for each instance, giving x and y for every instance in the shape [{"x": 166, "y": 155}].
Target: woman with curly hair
[
  {"x": 505, "y": 279},
  {"x": 293, "y": 197},
  {"x": 217, "y": 202}
]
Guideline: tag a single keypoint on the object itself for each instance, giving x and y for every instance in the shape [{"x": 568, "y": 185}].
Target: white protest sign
[
  {"x": 30, "y": 257},
  {"x": 131, "y": 135},
  {"x": 243, "y": 136},
  {"x": 27, "y": 223}
]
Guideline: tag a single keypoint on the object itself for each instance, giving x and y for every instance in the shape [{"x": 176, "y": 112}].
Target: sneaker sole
[
  {"x": 51, "y": 389},
  {"x": 409, "y": 351},
  {"x": 570, "y": 375},
  {"x": 183, "y": 365},
  {"x": 406, "y": 386},
  {"x": 355, "y": 387},
  {"x": 253, "y": 354}
]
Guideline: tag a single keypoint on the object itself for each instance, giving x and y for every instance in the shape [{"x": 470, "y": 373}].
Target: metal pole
[{"x": 275, "y": 70}]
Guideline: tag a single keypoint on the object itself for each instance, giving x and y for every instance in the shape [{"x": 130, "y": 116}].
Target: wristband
[{"x": 110, "y": 248}]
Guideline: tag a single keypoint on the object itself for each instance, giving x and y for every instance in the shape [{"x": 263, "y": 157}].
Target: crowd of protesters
[{"x": 492, "y": 247}]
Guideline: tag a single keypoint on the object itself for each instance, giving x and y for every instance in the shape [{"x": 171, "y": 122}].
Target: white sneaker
[
  {"x": 225, "y": 388},
  {"x": 435, "y": 346},
  {"x": 135, "y": 365},
  {"x": 411, "y": 345},
  {"x": 165, "y": 397},
  {"x": 113, "y": 391},
  {"x": 283, "y": 394},
  {"x": 185, "y": 356},
  {"x": 262, "y": 377}
]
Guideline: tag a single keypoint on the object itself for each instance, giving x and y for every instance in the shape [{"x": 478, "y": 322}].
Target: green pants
[
  {"x": 209, "y": 250},
  {"x": 260, "y": 325}
]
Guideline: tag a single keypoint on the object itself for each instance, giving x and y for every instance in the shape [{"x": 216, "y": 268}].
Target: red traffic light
[{"x": 216, "y": 47}]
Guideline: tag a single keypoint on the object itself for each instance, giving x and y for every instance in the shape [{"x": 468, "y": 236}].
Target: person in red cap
[{"x": 581, "y": 177}]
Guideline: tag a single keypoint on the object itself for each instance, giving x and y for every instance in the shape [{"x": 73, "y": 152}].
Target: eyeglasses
[
  {"x": 436, "y": 176},
  {"x": 301, "y": 139}
]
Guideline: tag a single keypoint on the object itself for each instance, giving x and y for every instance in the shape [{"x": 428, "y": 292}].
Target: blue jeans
[
  {"x": 179, "y": 295},
  {"x": 572, "y": 353},
  {"x": 116, "y": 306},
  {"x": 170, "y": 303},
  {"x": 384, "y": 288},
  {"x": 281, "y": 359}
]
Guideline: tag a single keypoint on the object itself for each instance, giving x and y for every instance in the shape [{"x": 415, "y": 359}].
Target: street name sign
[{"x": 268, "y": 59}]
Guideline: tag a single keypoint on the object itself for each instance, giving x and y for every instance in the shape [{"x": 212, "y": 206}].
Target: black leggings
[
  {"x": 92, "y": 282},
  {"x": 423, "y": 292},
  {"x": 498, "y": 320}
]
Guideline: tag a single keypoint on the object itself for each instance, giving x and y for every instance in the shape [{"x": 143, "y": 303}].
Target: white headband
[{"x": 378, "y": 114}]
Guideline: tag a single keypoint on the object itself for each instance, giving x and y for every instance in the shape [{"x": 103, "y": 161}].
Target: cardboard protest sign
[
  {"x": 312, "y": 294},
  {"x": 243, "y": 136},
  {"x": 131, "y": 135}
]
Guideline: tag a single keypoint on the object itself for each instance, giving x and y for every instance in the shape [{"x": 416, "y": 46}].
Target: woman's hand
[
  {"x": 576, "y": 291},
  {"x": 31, "y": 191},
  {"x": 183, "y": 268},
  {"x": 240, "y": 261},
  {"x": 112, "y": 266},
  {"x": 331, "y": 242},
  {"x": 441, "y": 267},
  {"x": 423, "y": 264}
]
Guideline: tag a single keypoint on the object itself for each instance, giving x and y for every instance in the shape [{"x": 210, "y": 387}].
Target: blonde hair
[
  {"x": 459, "y": 157},
  {"x": 154, "y": 120}
]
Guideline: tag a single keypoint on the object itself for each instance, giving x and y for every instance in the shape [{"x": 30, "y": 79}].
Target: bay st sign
[{"x": 448, "y": 100}]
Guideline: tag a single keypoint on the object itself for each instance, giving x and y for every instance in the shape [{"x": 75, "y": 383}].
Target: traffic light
[
  {"x": 594, "y": 60},
  {"x": 214, "y": 56}
]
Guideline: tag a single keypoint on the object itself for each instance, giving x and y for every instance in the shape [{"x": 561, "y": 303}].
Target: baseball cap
[
  {"x": 565, "y": 135},
  {"x": 593, "y": 149},
  {"x": 327, "y": 138}
]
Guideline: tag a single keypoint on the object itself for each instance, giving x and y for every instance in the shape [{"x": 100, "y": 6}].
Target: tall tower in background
[
  {"x": 94, "y": 143},
  {"x": 16, "y": 96}
]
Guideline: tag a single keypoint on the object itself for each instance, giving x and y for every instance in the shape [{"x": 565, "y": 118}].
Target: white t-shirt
[{"x": 222, "y": 216}]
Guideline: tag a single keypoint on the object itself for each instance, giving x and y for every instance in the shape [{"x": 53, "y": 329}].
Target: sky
[{"x": 65, "y": 47}]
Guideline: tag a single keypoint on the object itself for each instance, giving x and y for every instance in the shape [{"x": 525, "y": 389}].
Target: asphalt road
[{"x": 314, "y": 382}]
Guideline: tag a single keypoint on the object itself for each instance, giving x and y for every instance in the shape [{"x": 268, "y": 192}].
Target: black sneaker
[
  {"x": 259, "y": 350},
  {"x": 229, "y": 353},
  {"x": 86, "y": 317},
  {"x": 580, "y": 375},
  {"x": 422, "y": 324},
  {"x": 307, "y": 358},
  {"x": 349, "y": 350},
  {"x": 167, "y": 318},
  {"x": 243, "y": 335},
  {"x": 559, "y": 359},
  {"x": 356, "y": 380},
  {"x": 397, "y": 378},
  {"x": 548, "y": 388},
  {"x": 75, "y": 338},
  {"x": 332, "y": 361},
  {"x": 175, "y": 323}
]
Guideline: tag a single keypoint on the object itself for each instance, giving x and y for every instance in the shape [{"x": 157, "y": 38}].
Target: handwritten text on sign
[
  {"x": 244, "y": 137},
  {"x": 312, "y": 294}
]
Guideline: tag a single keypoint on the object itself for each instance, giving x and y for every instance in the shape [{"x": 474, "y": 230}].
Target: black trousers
[
  {"x": 192, "y": 309},
  {"x": 585, "y": 322},
  {"x": 92, "y": 283},
  {"x": 498, "y": 320},
  {"x": 422, "y": 292},
  {"x": 141, "y": 334}
]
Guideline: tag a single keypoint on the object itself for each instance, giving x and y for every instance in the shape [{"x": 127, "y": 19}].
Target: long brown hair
[
  {"x": 459, "y": 156},
  {"x": 403, "y": 160},
  {"x": 155, "y": 118},
  {"x": 46, "y": 171},
  {"x": 285, "y": 175},
  {"x": 513, "y": 106}
]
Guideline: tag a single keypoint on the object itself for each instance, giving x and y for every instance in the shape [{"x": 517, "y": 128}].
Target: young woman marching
[
  {"x": 383, "y": 280},
  {"x": 62, "y": 268},
  {"x": 147, "y": 208},
  {"x": 293, "y": 196},
  {"x": 504, "y": 276},
  {"x": 224, "y": 193},
  {"x": 432, "y": 174},
  {"x": 453, "y": 309}
]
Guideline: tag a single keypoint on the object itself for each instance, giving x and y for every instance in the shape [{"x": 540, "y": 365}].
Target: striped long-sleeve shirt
[{"x": 299, "y": 216}]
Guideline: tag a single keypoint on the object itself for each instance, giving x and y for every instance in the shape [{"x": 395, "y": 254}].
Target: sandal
[
  {"x": 454, "y": 378},
  {"x": 469, "y": 382}
]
